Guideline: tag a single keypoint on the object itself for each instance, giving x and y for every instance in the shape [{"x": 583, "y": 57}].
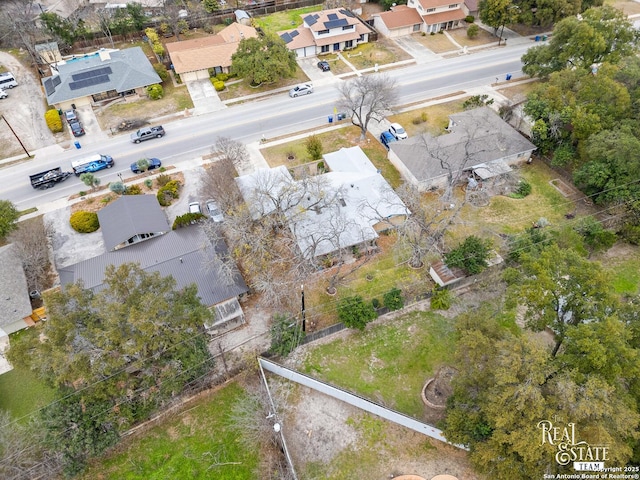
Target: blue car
[
  {"x": 386, "y": 138},
  {"x": 98, "y": 165},
  {"x": 153, "y": 164}
]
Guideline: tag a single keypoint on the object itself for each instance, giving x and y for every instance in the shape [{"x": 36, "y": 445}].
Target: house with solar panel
[
  {"x": 104, "y": 75},
  {"x": 326, "y": 31},
  {"x": 135, "y": 230}
]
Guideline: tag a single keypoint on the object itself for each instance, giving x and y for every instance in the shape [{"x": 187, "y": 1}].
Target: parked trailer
[{"x": 48, "y": 178}]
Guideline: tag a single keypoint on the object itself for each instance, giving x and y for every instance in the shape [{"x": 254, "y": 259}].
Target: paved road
[{"x": 273, "y": 116}]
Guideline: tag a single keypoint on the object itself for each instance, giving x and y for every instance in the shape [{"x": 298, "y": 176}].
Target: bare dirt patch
[{"x": 562, "y": 187}]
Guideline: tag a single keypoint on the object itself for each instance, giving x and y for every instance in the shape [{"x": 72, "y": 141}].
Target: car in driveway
[
  {"x": 153, "y": 164},
  {"x": 194, "y": 207},
  {"x": 302, "y": 89},
  {"x": 324, "y": 66},
  {"x": 71, "y": 116},
  {"x": 3, "y": 94},
  {"x": 398, "y": 132},
  {"x": 76, "y": 129},
  {"x": 214, "y": 211},
  {"x": 386, "y": 138}
]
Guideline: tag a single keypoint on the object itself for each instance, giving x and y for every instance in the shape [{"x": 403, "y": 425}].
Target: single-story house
[
  {"x": 192, "y": 59},
  {"x": 346, "y": 207},
  {"x": 99, "y": 76},
  {"x": 15, "y": 303},
  {"x": 435, "y": 16},
  {"x": 183, "y": 254},
  {"x": 478, "y": 142},
  {"x": 326, "y": 31}
]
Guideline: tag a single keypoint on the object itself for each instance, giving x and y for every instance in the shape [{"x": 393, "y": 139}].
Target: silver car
[
  {"x": 302, "y": 89},
  {"x": 214, "y": 211}
]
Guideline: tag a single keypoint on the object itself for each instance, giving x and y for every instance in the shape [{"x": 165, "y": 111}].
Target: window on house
[
  {"x": 348, "y": 44},
  {"x": 431, "y": 10},
  {"x": 453, "y": 5},
  {"x": 347, "y": 27},
  {"x": 416, "y": 27},
  {"x": 324, "y": 48},
  {"x": 322, "y": 32}
]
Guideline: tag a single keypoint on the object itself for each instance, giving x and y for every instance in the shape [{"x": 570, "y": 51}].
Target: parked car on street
[
  {"x": 214, "y": 211},
  {"x": 324, "y": 66},
  {"x": 147, "y": 133},
  {"x": 302, "y": 89},
  {"x": 398, "y": 132},
  {"x": 386, "y": 138},
  {"x": 76, "y": 129},
  {"x": 92, "y": 164},
  {"x": 3, "y": 94},
  {"x": 194, "y": 207},
  {"x": 153, "y": 164}
]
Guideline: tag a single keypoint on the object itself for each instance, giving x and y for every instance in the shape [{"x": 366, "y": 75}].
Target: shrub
[
  {"x": 471, "y": 255},
  {"x": 477, "y": 101},
  {"x": 82, "y": 193},
  {"x": 161, "y": 70},
  {"x": 321, "y": 167},
  {"x": 163, "y": 180},
  {"x": 313, "y": 145},
  {"x": 148, "y": 183},
  {"x": 595, "y": 235},
  {"x": 168, "y": 192},
  {"x": 421, "y": 119},
  {"x": 473, "y": 31},
  {"x": 524, "y": 189},
  {"x": 440, "y": 299},
  {"x": 631, "y": 233},
  {"x": 84, "y": 222},
  {"x": 54, "y": 122},
  {"x": 218, "y": 85},
  {"x": 117, "y": 187},
  {"x": 186, "y": 219},
  {"x": 151, "y": 34},
  {"x": 376, "y": 303},
  {"x": 469, "y": 19},
  {"x": 155, "y": 92},
  {"x": 107, "y": 199},
  {"x": 162, "y": 169},
  {"x": 133, "y": 190},
  {"x": 355, "y": 313},
  {"x": 393, "y": 299},
  {"x": 223, "y": 77},
  {"x": 158, "y": 49},
  {"x": 286, "y": 334}
]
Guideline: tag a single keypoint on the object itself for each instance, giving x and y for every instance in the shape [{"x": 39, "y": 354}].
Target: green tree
[
  {"x": 314, "y": 147},
  {"x": 210, "y": 6},
  {"x": 8, "y": 218},
  {"x": 155, "y": 92},
  {"x": 90, "y": 180},
  {"x": 471, "y": 255},
  {"x": 355, "y": 312},
  {"x": 498, "y": 13},
  {"x": 473, "y": 30},
  {"x": 263, "y": 60},
  {"x": 393, "y": 299},
  {"x": 117, "y": 355},
  {"x": 560, "y": 290},
  {"x": 136, "y": 15},
  {"x": 603, "y": 34}
]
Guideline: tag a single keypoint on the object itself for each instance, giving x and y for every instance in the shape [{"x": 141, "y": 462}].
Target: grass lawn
[
  {"x": 241, "y": 89},
  {"x": 437, "y": 43},
  {"x": 185, "y": 445},
  {"x": 437, "y": 118},
  {"x": 389, "y": 362},
  {"x": 367, "y": 55},
  {"x": 460, "y": 36},
  {"x": 285, "y": 20}
]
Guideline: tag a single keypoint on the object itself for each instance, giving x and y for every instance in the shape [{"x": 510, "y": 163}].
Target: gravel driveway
[{"x": 24, "y": 110}]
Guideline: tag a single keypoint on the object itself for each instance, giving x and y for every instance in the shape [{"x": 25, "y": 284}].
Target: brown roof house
[
  {"x": 192, "y": 59},
  {"x": 326, "y": 31},
  {"x": 185, "y": 254},
  {"x": 478, "y": 142},
  {"x": 15, "y": 305},
  {"x": 435, "y": 15}
]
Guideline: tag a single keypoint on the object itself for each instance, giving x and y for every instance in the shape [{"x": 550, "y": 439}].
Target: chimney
[{"x": 104, "y": 55}]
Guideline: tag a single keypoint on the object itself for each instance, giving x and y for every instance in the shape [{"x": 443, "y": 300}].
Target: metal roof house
[
  {"x": 99, "y": 76},
  {"x": 426, "y": 16},
  {"x": 15, "y": 304},
  {"x": 183, "y": 254},
  {"x": 324, "y": 32},
  {"x": 345, "y": 207},
  {"x": 132, "y": 219},
  {"x": 478, "y": 141}
]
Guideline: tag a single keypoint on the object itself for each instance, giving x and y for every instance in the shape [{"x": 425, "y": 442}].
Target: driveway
[
  {"x": 309, "y": 66},
  {"x": 414, "y": 48},
  {"x": 204, "y": 96}
]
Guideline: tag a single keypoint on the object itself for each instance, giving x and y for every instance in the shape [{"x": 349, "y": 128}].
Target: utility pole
[
  {"x": 304, "y": 326},
  {"x": 17, "y": 138}
]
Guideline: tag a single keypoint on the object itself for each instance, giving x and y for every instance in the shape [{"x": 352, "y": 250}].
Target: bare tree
[
  {"x": 30, "y": 240},
  {"x": 103, "y": 18},
  {"x": 173, "y": 17},
  {"x": 19, "y": 27},
  {"x": 369, "y": 97},
  {"x": 220, "y": 261}
]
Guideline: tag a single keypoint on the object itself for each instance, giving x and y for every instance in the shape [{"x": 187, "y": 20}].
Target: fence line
[{"x": 355, "y": 400}]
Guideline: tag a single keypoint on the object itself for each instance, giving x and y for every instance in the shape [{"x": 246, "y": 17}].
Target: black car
[
  {"x": 153, "y": 164},
  {"x": 324, "y": 66},
  {"x": 76, "y": 129}
]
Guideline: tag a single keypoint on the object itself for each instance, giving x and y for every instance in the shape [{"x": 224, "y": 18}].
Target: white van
[{"x": 7, "y": 80}]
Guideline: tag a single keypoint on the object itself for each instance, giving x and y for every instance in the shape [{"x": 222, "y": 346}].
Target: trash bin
[
  {"x": 77, "y": 144},
  {"x": 544, "y": 38},
  {"x": 508, "y": 76},
  {"x": 340, "y": 117},
  {"x": 330, "y": 118},
  {"x": 537, "y": 38}
]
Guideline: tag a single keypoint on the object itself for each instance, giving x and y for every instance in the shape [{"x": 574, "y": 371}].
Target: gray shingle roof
[
  {"x": 131, "y": 215},
  {"x": 14, "y": 297},
  {"x": 129, "y": 69},
  {"x": 180, "y": 253},
  {"x": 476, "y": 137}
]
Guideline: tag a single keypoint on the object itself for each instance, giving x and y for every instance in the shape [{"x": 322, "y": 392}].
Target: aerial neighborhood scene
[{"x": 342, "y": 240}]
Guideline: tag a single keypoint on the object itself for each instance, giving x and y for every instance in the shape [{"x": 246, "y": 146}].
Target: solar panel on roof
[
  {"x": 347, "y": 13},
  {"x": 332, "y": 16},
  {"x": 311, "y": 19},
  {"x": 88, "y": 82},
  {"x": 48, "y": 86},
  {"x": 91, "y": 73},
  {"x": 286, "y": 38},
  {"x": 341, "y": 22},
  {"x": 295, "y": 33},
  {"x": 56, "y": 80}
]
